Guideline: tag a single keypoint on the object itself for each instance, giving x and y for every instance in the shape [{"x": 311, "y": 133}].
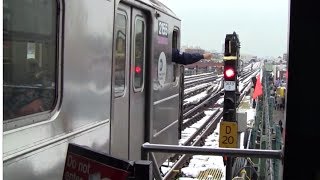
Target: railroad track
[{"x": 195, "y": 113}]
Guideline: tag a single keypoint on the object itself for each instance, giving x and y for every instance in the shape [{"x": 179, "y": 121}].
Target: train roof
[{"x": 159, "y": 6}]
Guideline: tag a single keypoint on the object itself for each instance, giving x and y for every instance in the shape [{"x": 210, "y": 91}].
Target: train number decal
[{"x": 162, "y": 29}]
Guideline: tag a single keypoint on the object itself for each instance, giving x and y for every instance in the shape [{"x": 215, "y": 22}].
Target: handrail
[{"x": 164, "y": 148}]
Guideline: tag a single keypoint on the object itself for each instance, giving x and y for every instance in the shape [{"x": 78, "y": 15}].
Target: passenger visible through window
[{"x": 29, "y": 57}]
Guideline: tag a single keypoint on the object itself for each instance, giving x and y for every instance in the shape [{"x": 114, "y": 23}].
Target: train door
[
  {"x": 137, "y": 86},
  {"x": 127, "y": 125},
  {"x": 120, "y": 120}
]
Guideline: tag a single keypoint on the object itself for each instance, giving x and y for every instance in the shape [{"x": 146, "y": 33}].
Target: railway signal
[
  {"x": 230, "y": 73},
  {"x": 228, "y": 126}
]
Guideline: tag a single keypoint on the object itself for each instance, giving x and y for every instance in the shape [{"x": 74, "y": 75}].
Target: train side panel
[
  {"x": 166, "y": 84},
  {"x": 35, "y": 145},
  {"x": 83, "y": 86},
  {"x": 48, "y": 162}
]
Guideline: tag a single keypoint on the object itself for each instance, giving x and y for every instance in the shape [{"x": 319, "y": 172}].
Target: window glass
[
  {"x": 139, "y": 54},
  {"x": 120, "y": 55},
  {"x": 172, "y": 68},
  {"x": 29, "y": 57}
]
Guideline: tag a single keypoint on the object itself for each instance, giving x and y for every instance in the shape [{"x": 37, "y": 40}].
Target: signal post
[{"x": 228, "y": 126}]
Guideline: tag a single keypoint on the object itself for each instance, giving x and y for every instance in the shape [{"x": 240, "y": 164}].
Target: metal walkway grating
[{"x": 210, "y": 174}]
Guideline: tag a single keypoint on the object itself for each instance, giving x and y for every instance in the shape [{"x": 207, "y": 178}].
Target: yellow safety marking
[
  {"x": 212, "y": 174},
  {"x": 228, "y": 134},
  {"x": 226, "y": 58}
]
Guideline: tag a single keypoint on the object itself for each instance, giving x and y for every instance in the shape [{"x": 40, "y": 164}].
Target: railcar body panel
[
  {"x": 83, "y": 111},
  {"x": 88, "y": 108},
  {"x": 166, "y": 84}
]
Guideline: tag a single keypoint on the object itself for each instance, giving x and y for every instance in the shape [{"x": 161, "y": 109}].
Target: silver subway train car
[{"x": 96, "y": 73}]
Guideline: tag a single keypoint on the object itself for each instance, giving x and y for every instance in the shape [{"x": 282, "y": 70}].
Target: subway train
[{"x": 97, "y": 73}]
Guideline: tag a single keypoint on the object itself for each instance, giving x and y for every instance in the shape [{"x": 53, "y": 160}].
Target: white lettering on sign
[
  {"x": 162, "y": 69},
  {"x": 162, "y": 29},
  {"x": 71, "y": 162},
  {"x": 229, "y": 85},
  {"x": 80, "y": 166}
]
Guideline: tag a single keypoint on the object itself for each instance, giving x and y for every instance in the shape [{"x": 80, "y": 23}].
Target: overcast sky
[{"x": 262, "y": 25}]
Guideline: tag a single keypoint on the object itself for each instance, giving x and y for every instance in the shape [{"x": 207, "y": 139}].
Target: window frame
[
  {"x": 44, "y": 116},
  {"x": 122, "y": 93},
  {"x": 176, "y": 66},
  {"x": 139, "y": 18}
]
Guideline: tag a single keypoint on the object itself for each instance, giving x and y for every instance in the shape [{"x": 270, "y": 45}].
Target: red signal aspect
[{"x": 229, "y": 73}]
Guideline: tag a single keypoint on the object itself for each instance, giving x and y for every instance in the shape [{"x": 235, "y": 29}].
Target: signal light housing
[{"x": 229, "y": 107}]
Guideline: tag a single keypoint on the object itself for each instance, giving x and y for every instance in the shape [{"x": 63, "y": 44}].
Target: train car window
[
  {"x": 120, "y": 55},
  {"x": 139, "y": 54},
  {"x": 175, "y": 39},
  {"x": 29, "y": 57},
  {"x": 175, "y": 46}
]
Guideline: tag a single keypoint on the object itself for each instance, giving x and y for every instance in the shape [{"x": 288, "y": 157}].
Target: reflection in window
[
  {"x": 120, "y": 56},
  {"x": 29, "y": 57},
  {"x": 139, "y": 54},
  {"x": 173, "y": 68}
]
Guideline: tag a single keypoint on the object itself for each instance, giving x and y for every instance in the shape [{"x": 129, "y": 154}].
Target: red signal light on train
[
  {"x": 229, "y": 73},
  {"x": 138, "y": 69}
]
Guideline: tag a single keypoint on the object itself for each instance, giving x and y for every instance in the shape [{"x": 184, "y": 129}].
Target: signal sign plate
[
  {"x": 229, "y": 85},
  {"x": 228, "y": 134}
]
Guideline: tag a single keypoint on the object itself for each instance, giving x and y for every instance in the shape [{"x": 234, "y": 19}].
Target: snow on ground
[
  {"x": 200, "y": 163},
  {"x": 197, "y": 87},
  {"x": 193, "y": 128},
  {"x": 220, "y": 101},
  {"x": 195, "y": 99}
]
